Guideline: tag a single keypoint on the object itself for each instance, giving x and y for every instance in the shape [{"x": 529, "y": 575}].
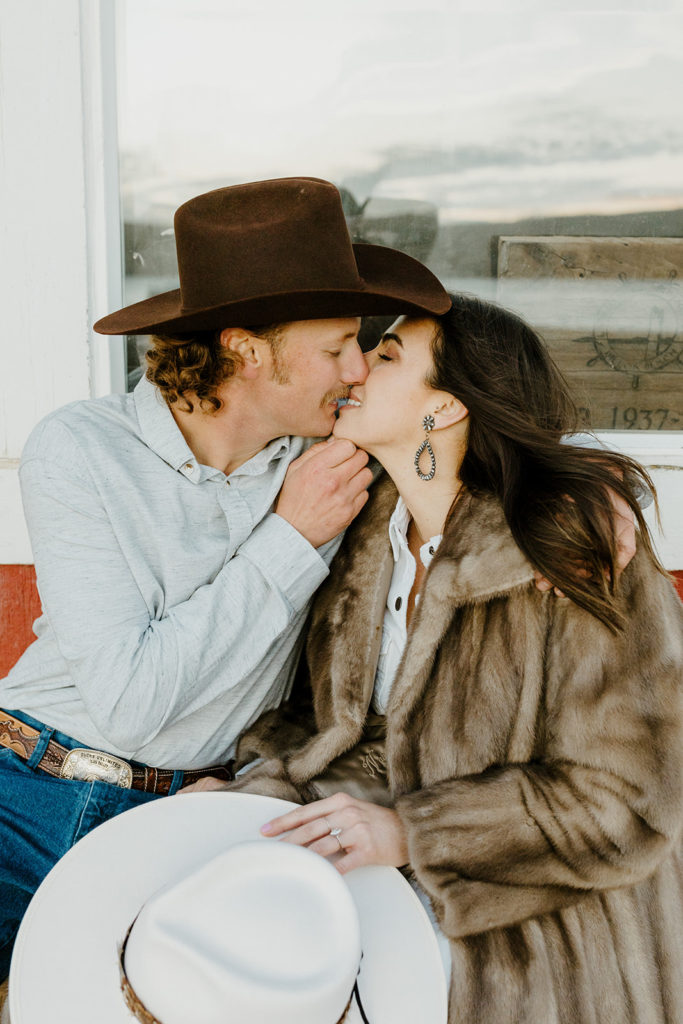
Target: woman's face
[{"x": 387, "y": 410}]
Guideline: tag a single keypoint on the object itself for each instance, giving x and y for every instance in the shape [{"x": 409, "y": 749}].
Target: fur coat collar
[{"x": 476, "y": 562}]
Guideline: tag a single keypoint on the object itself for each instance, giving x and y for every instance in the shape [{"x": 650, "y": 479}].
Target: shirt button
[
  {"x": 188, "y": 466},
  {"x": 431, "y": 550},
  {"x": 398, "y": 603}
]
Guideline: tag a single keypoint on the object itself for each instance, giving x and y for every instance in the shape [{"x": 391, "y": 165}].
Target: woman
[{"x": 533, "y": 742}]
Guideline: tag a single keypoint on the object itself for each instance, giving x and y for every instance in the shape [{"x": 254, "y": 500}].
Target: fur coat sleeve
[{"x": 594, "y": 801}]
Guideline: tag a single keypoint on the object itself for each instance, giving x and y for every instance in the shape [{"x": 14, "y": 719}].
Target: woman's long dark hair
[{"x": 554, "y": 494}]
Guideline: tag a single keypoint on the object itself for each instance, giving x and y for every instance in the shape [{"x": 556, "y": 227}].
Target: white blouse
[
  {"x": 394, "y": 627},
  {"x": 394, "y": 633}
]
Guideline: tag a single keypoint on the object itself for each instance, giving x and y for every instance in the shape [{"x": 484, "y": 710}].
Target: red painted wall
[{"x": 20, "y": 605}]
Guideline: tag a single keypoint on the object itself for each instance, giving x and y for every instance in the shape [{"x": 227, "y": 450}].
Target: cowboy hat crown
[
  {"x": 263, "y": 932},
  {"x": 276, "y": 251}
]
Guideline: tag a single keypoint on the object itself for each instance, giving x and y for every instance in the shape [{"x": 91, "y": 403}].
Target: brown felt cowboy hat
[{"x": 275, "y": 251}]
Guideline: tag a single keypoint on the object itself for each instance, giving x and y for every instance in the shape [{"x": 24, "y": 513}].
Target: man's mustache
[{"x": 335, "y": 396}]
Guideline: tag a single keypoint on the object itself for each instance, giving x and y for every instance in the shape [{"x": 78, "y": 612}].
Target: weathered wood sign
[{"x": 611, "y": 312}]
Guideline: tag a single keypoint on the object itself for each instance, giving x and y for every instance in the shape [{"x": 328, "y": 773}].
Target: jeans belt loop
[
  {"x": 176, "y": 782},
  {"x": 46, "y": 734}
]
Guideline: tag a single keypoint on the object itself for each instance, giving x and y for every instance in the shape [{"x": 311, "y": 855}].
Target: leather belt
[{"x": 88, "y": 765}]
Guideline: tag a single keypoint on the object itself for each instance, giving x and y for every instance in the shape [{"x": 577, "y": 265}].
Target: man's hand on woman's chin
[
  {"x": 324, "y": 490},
  {"x": 625, "y": 527}
]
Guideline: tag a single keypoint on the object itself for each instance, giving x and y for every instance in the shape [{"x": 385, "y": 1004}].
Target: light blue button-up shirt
[{"x": 173, "y": 596}]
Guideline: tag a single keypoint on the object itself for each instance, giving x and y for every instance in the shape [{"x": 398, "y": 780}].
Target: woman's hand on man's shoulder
[{"x": 625, "y": 533}]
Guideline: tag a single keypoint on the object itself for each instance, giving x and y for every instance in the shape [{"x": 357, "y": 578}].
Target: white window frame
[
  {"x": 661, "y": 452},
  {"x": 59, "y": 196}
]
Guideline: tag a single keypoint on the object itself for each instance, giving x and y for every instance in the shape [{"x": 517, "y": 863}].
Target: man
[{"x": 179, "y": 532}]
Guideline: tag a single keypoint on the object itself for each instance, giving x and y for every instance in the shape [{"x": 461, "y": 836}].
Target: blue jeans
[{"x": 41, "y": 817}]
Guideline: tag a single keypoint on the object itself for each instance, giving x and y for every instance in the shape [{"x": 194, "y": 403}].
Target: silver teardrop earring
[{"x": 427, "y": 425}]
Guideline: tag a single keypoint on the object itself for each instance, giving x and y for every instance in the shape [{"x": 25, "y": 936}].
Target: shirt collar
[
  {"x": 157, "y": 426},
  {"x": 259, "y": 463},
  {"x": 398, "y": 535},
  {"x": 162, "y": 434}
]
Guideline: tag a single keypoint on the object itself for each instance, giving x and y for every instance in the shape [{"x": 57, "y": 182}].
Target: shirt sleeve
[{"x": 138, "y": 674}]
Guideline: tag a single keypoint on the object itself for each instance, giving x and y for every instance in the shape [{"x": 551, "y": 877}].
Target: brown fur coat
[{"x": 534, "y": 759}]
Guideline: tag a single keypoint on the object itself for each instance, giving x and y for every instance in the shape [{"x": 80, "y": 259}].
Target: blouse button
[
  {"x": 398, "y": 603},
  {"x": 431, "y": 549}
]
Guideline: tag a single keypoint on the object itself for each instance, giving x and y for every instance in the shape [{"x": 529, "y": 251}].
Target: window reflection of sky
[
  {"x": 447, "y": 131},
  {"x": 488, "y": 115}
]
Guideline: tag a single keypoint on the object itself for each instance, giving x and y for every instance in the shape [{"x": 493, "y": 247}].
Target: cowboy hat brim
[
  {"x": 391, "y": 283},
  {"x": 65, "y": 962}
]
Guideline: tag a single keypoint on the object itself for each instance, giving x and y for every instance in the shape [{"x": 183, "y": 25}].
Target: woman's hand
[
  {"x": 625, "y": 536},
  {"x": 369, "y": 834}
]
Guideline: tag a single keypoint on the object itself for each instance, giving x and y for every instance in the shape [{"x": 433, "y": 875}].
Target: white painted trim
[
  {"x": 668, "y": 481},
  {"x": 646, "y": 444},
  {"x": 15, "y": 546},
  {"x": 59, "y": 224},
  {"x": 661, "y": 453},
  {"x": 102, "y": 193},
  {"x": 42, "y": 216}
]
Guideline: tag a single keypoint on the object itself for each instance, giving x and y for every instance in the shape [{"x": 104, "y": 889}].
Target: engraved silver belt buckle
[{"x": 95, "y": 766}]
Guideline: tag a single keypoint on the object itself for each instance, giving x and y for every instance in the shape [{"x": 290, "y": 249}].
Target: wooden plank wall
[{"x": 611, "y": 312}]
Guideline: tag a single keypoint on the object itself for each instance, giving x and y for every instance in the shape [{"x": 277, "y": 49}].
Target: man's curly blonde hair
[{"x": 197, "y": 364}]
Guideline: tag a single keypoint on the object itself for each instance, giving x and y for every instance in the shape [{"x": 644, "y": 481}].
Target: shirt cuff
[{"x": 286, "y": 559}]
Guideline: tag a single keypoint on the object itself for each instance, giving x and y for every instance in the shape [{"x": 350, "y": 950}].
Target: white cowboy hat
[
  {"x": 65, "y": 966},
  {"x": 267, "y": 929}
]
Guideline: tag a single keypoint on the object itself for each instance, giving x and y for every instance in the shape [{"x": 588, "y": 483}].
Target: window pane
[{"x": 533, "y": 158}]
